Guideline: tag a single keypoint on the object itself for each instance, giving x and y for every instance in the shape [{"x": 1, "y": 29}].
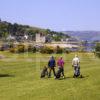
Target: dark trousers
[
  {"x": 50, "y": 69},
  {"x": 62, "y": 70},
  {"x": 76, "y": 71}
]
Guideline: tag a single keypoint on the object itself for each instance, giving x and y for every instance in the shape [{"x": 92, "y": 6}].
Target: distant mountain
[{"x": 85, "y": 35}]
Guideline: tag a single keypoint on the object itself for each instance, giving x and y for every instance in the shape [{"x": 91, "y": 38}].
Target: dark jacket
[{"x": 51, "y": 63}]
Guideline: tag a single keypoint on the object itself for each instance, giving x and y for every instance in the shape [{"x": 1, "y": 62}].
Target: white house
[
  {"x": 10, "y": 37},
  {"x": 26, "y": 37}
]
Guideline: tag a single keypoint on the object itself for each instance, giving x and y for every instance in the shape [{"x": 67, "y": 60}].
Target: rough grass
[{"x": 20, "y": 78}]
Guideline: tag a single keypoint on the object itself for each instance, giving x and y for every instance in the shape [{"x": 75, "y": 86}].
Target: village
[
  {"x": 36, "y": 37},
  {"x": 41, "y": 40}
]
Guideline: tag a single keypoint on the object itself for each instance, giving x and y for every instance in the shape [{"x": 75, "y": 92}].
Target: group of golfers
[{"x": 60, "y": 65}]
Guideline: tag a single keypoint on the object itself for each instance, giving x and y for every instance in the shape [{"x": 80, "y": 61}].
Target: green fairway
[{"x": 20, "y": 78}]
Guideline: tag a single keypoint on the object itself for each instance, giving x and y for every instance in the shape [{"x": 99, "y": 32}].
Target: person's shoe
[
  {"x": 63, "y": 76},
  {"x": 54, "y": 77}
]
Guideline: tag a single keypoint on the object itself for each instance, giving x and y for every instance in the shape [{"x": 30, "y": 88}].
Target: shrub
[
  {"x": 97, "y": 50},
  {"x": 13, "y": 50},
  {"x": 34, "y": 49},
  {"x": 67, "y": 50},
  {"x": 48, "y": 50},
  {"x": 11, "y": 45},
  {"x": 59, "y": 50},
  {"x": 21, "y": 48},
  {"x": 30, "y": 48}
]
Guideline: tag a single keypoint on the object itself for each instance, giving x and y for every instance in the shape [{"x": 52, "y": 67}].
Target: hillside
[
  {"x": 85, "y": 35},
  {"x": 7, "y": 28},
  {"x": 17, "y": 29}
]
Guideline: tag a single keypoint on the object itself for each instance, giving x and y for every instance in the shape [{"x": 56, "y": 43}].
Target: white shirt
[{"x": 75, "y": 61}]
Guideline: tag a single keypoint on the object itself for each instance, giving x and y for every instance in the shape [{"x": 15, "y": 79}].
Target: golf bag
[
  {"x": 44, "y": 72},
  {"x": 58, "y": 74}
]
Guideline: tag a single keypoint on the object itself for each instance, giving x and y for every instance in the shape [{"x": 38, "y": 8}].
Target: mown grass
[{"x": 20, "y": 78}]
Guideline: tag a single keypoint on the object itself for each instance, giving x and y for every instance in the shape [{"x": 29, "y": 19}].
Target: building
[
  {"x": 40, "y": 38},
  {"x": 10, "y": 37}
]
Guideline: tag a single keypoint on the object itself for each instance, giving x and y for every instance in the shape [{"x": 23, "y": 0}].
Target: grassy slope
[{"x": 19, "y": 78}]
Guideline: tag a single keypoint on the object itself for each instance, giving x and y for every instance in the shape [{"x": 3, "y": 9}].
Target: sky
[{"x": 57, "y": 15}]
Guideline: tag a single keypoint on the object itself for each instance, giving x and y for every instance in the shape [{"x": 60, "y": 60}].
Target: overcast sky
[{"x": 58, "y": 15}]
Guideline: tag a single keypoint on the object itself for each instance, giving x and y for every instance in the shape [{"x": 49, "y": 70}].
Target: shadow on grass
[
  {"x": 66, "y": 78},
  {"x": 79, "y": 77},
  {"x": 6, "y": 75}
]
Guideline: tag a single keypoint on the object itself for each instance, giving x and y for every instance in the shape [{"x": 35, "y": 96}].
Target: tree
[
  {"x": 15, "y": 28},
  {"x": 9, "y": 28},
  {"x": 57, "y": 38},
  {"x": 5, "y": 34},
  {"x": 47, "y": 31},
  {"x": 3, "y": 29},
  {"x": 97, "y": 50}
]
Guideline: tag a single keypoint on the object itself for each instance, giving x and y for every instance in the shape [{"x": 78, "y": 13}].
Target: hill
[
  {"x": 85, "y": 35},
  {"x": 7, "y": 28}
]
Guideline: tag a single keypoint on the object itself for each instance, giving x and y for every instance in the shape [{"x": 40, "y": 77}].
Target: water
[{"x": 89, "y": 47}]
